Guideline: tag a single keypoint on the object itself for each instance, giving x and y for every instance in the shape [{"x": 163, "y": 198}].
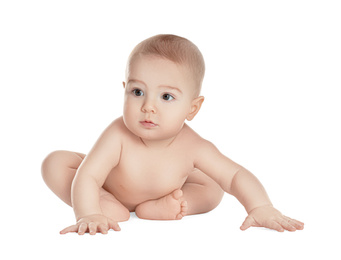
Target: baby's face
[{"x": 158, "y": 97}]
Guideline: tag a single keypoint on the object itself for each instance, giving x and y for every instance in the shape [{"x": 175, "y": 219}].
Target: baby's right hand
[{"x": 92, "y": 224}]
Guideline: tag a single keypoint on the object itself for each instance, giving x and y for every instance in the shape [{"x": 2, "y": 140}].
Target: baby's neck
[{"x": 158, "y": 144}]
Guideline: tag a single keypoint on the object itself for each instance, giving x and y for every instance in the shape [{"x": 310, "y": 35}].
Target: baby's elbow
[{"x": 231, "y": 186}]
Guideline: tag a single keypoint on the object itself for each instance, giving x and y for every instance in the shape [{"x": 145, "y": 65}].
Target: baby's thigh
[
  {"x": 112, "y": 207},
  {"x": 207, "y": 184},
  {"x": 198, "y": 177}
]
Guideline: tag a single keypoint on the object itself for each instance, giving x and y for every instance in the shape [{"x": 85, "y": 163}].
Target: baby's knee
[
  {"x": 51, "y": 162},
  {"x": 213, "y": 199}
]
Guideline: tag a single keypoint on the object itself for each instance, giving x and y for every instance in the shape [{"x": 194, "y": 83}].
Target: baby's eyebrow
[
  {"x": 170, "y": 87},
  {"x": 136, "y": 81}
]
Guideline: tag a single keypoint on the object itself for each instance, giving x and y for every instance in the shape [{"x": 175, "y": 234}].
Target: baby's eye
[
  {"x": 167, "y": 97},
  {"x": 138, "y": 92}
]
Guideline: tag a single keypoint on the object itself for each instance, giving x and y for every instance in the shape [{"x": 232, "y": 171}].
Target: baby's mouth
[{"x": 148, "y": 124}]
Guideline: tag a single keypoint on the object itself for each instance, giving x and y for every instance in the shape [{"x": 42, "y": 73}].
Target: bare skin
[
  {"x": 150, "y": 162},
  {"x": 60, "y": 167}
]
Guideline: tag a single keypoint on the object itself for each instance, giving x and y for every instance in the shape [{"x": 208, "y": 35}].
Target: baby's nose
[{"x": 148, "y": 107}]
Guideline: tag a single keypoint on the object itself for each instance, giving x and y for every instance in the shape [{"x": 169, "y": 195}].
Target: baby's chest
[{"x": 153, "y": 172}]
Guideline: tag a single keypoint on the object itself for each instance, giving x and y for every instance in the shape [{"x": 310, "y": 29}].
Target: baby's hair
[{"x": 176, "y": 49}]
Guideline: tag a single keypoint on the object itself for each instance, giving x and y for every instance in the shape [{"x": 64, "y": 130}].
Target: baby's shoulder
[
  {"x": 193, "y": 139},
  {"x": 117, "y": 125},
  {"x": 116, "y": 129},
  {"x": 197, "y": 146}
]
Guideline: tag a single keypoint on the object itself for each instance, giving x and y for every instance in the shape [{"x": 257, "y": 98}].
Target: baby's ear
[
  {"x": 195, "y": 107},
  {"x": 124, "y": 84}
]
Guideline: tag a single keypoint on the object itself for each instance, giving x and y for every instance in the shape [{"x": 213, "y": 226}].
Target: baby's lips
[{"x": 148, "y": 123}]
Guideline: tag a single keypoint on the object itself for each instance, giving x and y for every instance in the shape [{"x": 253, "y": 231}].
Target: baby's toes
[
  {"x": 184, "y": 208},
  {"x": 179, "y": 216}
]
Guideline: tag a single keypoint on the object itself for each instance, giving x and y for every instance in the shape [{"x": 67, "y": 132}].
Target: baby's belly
[{"x": 133, "y": 190}]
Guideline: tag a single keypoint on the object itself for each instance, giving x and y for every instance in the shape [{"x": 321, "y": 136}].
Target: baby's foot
[
  {"x": 172, "y": 206},
  {"x": 169, "y": 207}
]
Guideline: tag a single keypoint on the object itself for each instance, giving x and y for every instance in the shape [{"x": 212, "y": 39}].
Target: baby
[{"x": 149, "y": 161}]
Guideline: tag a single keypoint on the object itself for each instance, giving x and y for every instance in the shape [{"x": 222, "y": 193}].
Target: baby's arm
[
  {"x": 89, "y": 178},
  {"x": 242, "y": 184}
]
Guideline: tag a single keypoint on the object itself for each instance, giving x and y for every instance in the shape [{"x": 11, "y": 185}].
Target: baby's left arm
[{"x": 242, "y": 184}]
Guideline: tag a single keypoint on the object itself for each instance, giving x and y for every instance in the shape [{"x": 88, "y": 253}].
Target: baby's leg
[
  {"x": 59, "y": 169},
  {"x": 169, "y": 207},
  {"x": 199, "y": 194}
]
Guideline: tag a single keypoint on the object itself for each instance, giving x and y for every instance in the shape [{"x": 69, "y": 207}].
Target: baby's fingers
[
  {"x": 103, "y": 228},
  {"x": 92, "y": 228},
  {"x": 249, "y": 222},
  {"x": 113, "y": 225},
  {"x": 285, "y": 223},
  {"x": 73, "y": 228},
  {"x": 295, "y": 223},
  {"x": 290, "y": 224},
  {"x": 275, "y": 226},
  {"x": 82, "y": 228}
]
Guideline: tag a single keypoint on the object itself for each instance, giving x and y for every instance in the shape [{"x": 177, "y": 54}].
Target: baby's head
[
  {"x": 163, "y": 80},
  {"x": 176, "y": 49}
]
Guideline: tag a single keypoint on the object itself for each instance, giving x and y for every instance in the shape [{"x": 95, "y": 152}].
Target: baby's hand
[
  {"x": 92, "y": 224},
  {"x": 269, "y": 217}
]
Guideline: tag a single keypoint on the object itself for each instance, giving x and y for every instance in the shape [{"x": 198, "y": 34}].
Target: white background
[{"x": 272, "y": 104}]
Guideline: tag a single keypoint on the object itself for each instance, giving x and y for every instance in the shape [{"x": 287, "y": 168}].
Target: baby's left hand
[{"x": 269, "y": 217}]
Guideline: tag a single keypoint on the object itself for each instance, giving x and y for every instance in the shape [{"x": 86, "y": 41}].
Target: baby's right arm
[{"x": 92, "y": 173}]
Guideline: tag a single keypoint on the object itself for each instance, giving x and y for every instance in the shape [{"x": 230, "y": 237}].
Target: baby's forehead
[
  {"x": 146, "y": 57},
  {"x": 142, "y": 60},
  {"x": 159, "y": 63}
]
